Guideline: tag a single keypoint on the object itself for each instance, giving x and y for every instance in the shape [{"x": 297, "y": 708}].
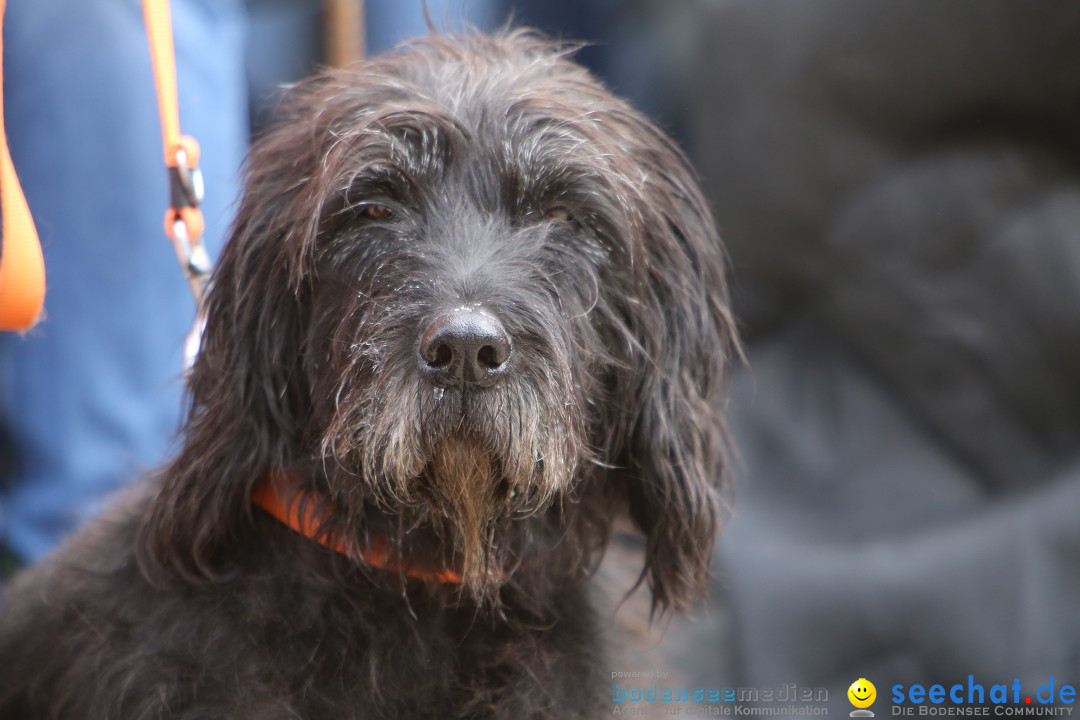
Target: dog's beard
[
  {"x": 462, "y": 487},
  {"x": 462, "y": 465}
]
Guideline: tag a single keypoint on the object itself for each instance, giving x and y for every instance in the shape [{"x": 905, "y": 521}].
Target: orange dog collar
[{"x": 282, "y": 497}]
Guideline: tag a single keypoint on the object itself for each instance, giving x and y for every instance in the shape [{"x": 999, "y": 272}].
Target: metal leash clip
[{"x": 184, "y": 225}]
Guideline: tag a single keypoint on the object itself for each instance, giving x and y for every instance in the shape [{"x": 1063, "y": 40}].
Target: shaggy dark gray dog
[{"x": 473, "y": 308}]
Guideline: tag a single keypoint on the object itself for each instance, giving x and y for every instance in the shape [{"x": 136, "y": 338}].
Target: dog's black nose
[{"x": 465, "y": 345}]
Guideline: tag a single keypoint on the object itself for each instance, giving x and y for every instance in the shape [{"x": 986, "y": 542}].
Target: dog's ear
[
  {"x": 685, "y": 342},
  {"x": 247, "y": 390}
]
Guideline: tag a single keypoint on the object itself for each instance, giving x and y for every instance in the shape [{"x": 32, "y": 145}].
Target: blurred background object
[{"x": 897, "y": 185}]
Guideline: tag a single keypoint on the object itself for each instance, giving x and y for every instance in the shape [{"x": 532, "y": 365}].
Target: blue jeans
[{"x": 91, "y": 398}]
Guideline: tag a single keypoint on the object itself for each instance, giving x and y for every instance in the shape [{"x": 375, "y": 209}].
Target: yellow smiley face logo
[{"x": 862, "y": 693}]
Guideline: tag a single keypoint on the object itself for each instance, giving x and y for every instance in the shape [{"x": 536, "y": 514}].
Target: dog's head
[{"x": 468, "y": 291}]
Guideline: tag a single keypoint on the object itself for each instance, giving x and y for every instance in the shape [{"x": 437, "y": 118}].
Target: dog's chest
[{"x": 393, "y": 656}]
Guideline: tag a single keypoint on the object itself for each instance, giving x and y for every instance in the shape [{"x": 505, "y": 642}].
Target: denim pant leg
[
  {"x": 91, "y": 398},
  {"x": 389, "y": 23}
]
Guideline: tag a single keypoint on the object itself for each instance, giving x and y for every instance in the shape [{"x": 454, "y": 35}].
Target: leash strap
[
  {"x": 184, "y": 223},
  {"x": 22, "y": 267}
]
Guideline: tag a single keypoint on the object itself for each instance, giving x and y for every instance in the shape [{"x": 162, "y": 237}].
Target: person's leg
[
  {"x": 91, "y": 398},
  {"x": 388, "y": 24}
]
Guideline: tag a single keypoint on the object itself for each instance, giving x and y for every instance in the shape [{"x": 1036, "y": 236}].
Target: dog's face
[{"x": 468, "y": 289}]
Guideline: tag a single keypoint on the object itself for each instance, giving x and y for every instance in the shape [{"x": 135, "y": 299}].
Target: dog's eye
[
  {"x": 376, "y": 212},
  {"x": 558, "y": 215}
]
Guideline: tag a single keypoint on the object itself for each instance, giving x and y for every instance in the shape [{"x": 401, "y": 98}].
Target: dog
[{"x": 472, "y": 312}]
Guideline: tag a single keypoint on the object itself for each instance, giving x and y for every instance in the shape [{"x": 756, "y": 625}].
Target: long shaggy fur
[{"x": 505, "y": 178}]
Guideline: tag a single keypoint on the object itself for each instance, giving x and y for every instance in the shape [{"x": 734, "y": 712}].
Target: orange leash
[
  {"x": 22, "y": 268},
  {"x": 184, "y": 223}
]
